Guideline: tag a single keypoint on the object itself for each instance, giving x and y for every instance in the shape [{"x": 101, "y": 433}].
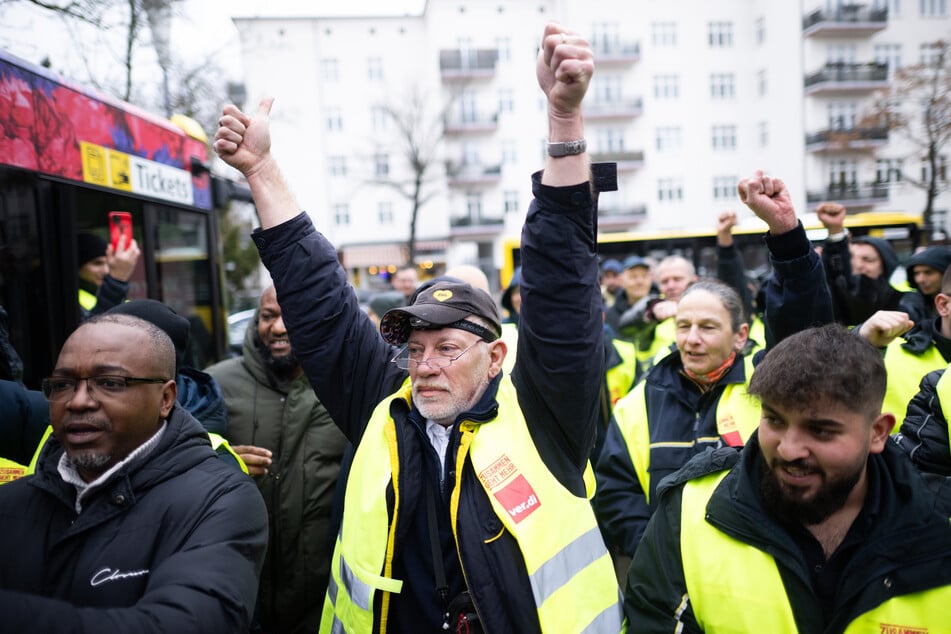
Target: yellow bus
[{"x": 902, "y": 230}]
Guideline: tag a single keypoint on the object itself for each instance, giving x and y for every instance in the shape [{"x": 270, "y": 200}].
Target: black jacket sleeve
[
  {"x": 924, "y": 433},
  {"x": 340, "y": 349},
  {"x": 730, "y": 270},
  {"x": 619, "y": 502},
  {"x": 24, "y": 417},
  {"x": 112, "y": 293},
  {"x": 559, "y": 368}
]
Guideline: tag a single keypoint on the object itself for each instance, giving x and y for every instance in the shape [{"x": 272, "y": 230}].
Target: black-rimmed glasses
[{"x": 58, "y": 389}]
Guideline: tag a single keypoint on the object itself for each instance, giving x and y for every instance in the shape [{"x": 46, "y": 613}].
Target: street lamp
[{"x": 159, "y": 15}]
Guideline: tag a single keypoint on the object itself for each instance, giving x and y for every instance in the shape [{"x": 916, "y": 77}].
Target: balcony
[
  {"x": 463, "y": 174},
  {"x": 463, "y": 65},
  {"x": 846, "y": 139},
  {"x": 615, "y": 109},
  {"x": 615, "y": 52},
  {"x": 626, "y": 161},
  {"x": 471, "y": 122},
  {"x": 841, "y": 77},
  {"x": 854, "y": 197},
  {"x": 848, "y": 20},
  {"x": 478, "y": 227},
  {"x": 621, "y": 217}
]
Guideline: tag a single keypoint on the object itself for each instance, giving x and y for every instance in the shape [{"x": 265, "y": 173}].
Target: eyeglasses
[
  {"x": 407, "y": 358},
  {"x": 58, "y": 389}
]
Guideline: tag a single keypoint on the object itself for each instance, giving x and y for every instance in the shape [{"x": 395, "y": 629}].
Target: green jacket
[{"x": 306, "y": 449}]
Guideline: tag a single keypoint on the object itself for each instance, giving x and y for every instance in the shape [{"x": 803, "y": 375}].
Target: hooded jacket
[
  {"x": 920, "y": 307},
  {"x": 857, "y": 297},
  {"x": 907, "y": 546},
  {"x": 171, "y": 543},
  {"x": 298, "y": 489},
  {"x": 924, "y": 433}
]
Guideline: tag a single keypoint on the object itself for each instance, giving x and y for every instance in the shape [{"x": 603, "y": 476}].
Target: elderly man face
[
  {"x": 99, "y": 415},
  {"x": 674, "y": 275}
]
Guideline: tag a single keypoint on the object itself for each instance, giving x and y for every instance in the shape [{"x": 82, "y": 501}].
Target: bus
[
  {"x": 902, "y": 230},
  {"x": 69, "y": 156}
]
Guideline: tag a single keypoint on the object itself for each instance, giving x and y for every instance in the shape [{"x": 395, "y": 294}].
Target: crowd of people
[{"x": 633, "y": 448}]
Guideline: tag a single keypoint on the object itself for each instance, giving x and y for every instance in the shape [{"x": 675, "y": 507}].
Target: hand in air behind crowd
[
  {"x": 884, "y": 326},
  {"x": 832, "y": 216},
  {"x": 769, "y": 199},
  {"x": 564, "y": 69},
  {"x": 123, "y": 259},
  {"x": 725, "y": 223}
]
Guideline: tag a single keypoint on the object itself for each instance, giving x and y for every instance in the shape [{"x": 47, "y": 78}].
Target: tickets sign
[{"x": 118, "y": 170}]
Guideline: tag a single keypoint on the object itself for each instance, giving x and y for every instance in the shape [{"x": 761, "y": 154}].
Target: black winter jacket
[
  {"x": 924, "y": 433},
  {"x": 557, "y": 377},
  {"x": 908, "y": 545},
  {"x": 173, "y": 543}
]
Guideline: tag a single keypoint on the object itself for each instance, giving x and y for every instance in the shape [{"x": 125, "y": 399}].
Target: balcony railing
[
  {"x": 471, "y": 122},
  {"x": 467, "y": 64},
  {"x": 853, "y": 196},
  {"x": 846, "y": 138},
  {"x": 617, "y": 217},
  {"x": 848, "y": 77},
  {"x": 463, "y": 174},
  {"x": 853, "y": 19},
  {"x": 476, "y": 221},
  {"x": 616, "y": 109},
  {"x": 626, "y": 161},
  {"x": 614, "y": 51}
]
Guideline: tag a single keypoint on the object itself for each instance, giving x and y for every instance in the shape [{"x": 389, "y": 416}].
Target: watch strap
[{"x": 567, "y": 148}]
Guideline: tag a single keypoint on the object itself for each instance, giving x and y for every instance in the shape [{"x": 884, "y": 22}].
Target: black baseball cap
[{"x": 443, "y": 305}]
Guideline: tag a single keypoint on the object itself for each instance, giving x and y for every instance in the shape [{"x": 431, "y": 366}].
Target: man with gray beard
[{"x": 293, "y": 450}]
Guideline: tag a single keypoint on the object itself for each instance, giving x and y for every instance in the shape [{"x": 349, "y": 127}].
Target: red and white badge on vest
[
  {"x": 729, "y": 431},
  {"x": 510, "y": 488}
]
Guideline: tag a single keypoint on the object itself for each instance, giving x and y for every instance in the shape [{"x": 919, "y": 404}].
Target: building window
[
  {"x": 720, "y": 34},
  {"x": 763, "y": 133},
  {"x": 724, "y": 187},
  {"x": 328, "y": 69},
  {"x": 468, "y": 111},
  {"x": 724, "y": 137},
  {"x": 889, "y": 54},
  {"x": 384, "y": 213},
  {"x": 375, "y": 68},
  {"x": 605, "y": 37},
  {"x": 510, "y": 200},
  {"x": 607, "y": 89},
  {"x": 942, "y": 169},
  {"x": 759, "y": 31},
  {"x": 722, "y": 86},
  {"x": 668, "y": 139},
  {"x": 666, "y": 86},
  {"x": 341, "y": 215},
  {"x": 930, "y": 54},
  {"x": 933, "y": 8},
  {"x": 842, "y": 115},
  {"x": 762, "y": 85},
  {"x": 842, "y": 175},
  {"x": 334, "y": 119},
  {"x": 888, "y": 170},
  {"x": 838, "y": 54},
  {"x": 664, "y": 34},
  {"x": 338, "y": 165},
  {"x": 506, "y": 101},
  {"x": 379, "y": 118},
  {"x": 610, "y": 140},
  {"x": 669, "y": 189},
  {"x": 474, "y": 206},
  {"x": 504, "y": 47},
  {"x": 381, "y": 165},
  {"x": 509, "y": 154}
]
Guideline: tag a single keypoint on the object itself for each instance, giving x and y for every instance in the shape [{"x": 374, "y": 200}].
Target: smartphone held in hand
[{"x": 120, "y": 226}]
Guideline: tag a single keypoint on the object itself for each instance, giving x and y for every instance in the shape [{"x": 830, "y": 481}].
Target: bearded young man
[{"x": 818, "y": 525}]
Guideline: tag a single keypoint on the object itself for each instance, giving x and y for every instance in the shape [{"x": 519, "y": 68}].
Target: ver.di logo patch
[{"x": 519, "y": 498}]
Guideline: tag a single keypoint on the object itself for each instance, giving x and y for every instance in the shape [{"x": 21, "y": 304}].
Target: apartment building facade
[{"x": 441, "y": 108}]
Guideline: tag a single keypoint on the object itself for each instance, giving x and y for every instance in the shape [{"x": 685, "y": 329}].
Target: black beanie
[
  {"x": 89, "y": 247},
  {"x": 938, "y": 258},
  {"x": 885, "y": 252},
  {"x": 174, "y": 325}
]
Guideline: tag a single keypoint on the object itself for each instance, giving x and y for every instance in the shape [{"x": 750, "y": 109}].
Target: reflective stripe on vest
[
  {"x": 87, "y": 300},
  {"x": 734, "y": 587},
  {"x": 569, "y": 568},
  {"x": 10, "y": 471},
  {"x": 39, "y": 448},
  {"x": 621, "y": 377},
  {"x": 905, "y": 371},
  {"x": 737, "y": 416},
  {"x": 219, "y": 444},
  {"x": 943, "y": 392}
]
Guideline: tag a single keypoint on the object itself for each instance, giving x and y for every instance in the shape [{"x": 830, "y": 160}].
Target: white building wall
[{"x": 768, "y": 58}]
